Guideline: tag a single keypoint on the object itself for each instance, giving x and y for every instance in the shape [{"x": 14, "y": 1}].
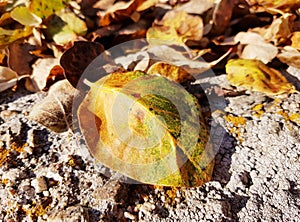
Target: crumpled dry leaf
[
  {"x": 131, "y": 128},
  {"x": 120, "y": 11},
  {"x": 255, "y": 75},
  {"x": 279, "y": 31},
  {"x": 256, "y": 47},
  {"x": 290, "y": 56},
  {"x": 40, "y": 73},
  {"x": 176, "y": 27},
  {"x": 64, "y": 27},
  {"x": 8, "y": 78},
  {"x": 196, "y": 6},
  {"x": 55, "y": 110}
]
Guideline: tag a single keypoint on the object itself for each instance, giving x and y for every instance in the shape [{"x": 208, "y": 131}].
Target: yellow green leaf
[
  {"x": 255, "y": 75},
  {"x": 24, "y": 16},
  {"x": 64, "y": 27},
  {"x": 9, "y": 36},
  {"x": 44, "y": 8},
  {"x": 148, "y": 128}
]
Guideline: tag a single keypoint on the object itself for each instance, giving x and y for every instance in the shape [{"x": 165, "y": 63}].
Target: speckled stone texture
[{"x": 46, "y": 176}]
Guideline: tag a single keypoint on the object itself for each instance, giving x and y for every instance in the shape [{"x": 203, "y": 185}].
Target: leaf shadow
[{"x": 292, "y": 79}]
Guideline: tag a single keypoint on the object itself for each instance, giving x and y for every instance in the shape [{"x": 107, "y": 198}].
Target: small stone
[
  {"x": 39, "y": 184},
  {"x": 129, "y": 216},
  {"x": 71, "y": 214},
  {"x": 46, "y": 193}
]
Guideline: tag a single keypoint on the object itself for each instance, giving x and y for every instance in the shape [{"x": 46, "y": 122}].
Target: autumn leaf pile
[{"x": 34, "y": 34}]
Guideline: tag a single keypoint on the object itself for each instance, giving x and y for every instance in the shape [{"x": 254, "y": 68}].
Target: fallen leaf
[
  {"x": 296, "y": 40},
  {"x": 20, "y": 58},
  {"x": 290, "y": 56},
  {"x": 9, "y": 36},
  {"x": 56, "y": 74},
  {"x": 8, "y": 78},
  {"x": 194, "y": 66},
  {"x": 256, "y": 76},
  {"x": 285, "y": 5},
  {"x": 222, "y": 15},
  {"x": 5, "y": 19},
  {"x": 64, "y": 27},
  {"x": 55, "y": 110},
  {"x": 137, "y": 125},
  {"x": 196, "y": 6},
  {"x": 76, "y": 59},
  {"x": 171, "y": 72},
  {"x": 279, "y": 31},
  {"x": 120, "y": 11},
  {"x": 146, "y": 5},
  {"x": 176, "y": 27},
  {"x": 44, "y": 9},
  {"x": 23, "y": 15},
  {"x": 40, "y": 73},
  {"x": 256, "y": 47}
]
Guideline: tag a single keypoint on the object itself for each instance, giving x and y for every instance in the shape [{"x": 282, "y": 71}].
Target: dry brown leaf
[
  {"x": 176, "y": 27},
  {"x": 256, "y": 47},
  {"x": 8, "y": 78},
  {"x": 55, "y": 110},
  {"x": 196, "y": 6},
  {"x": 290, "y": 56},
  {"x": 76, "y": 59},
  {"x": 41, "y": 71},
  {"x": 120, "y": 11},
  {"x": 20, "y": 58},
  {"x": 222, "y": 15},
  {"x": 279, "y": 31}
]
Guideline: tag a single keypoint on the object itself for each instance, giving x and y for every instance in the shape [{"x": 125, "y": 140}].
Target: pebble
[
  {"x": 129, "y": 216},
  {"x": 39, "y": 184}
]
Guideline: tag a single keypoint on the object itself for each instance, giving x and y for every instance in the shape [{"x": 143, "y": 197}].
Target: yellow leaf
[
  {"x": 178, "y": 27},
  {"x": 9, "y": 36},
  {"x": 170, "y": 71},
  {"x": 255, "y": 75},
  {"x": 148, "y": 128},
  {"x": 23, "y": 15},
  {"x": 64, "y": 27},
  {"x": 44, "y": 9},
  {"x": 296, "y": 40}
]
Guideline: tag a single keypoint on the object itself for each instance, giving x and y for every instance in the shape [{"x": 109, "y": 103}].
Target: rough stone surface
[{"x": 46, "y": 176}]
